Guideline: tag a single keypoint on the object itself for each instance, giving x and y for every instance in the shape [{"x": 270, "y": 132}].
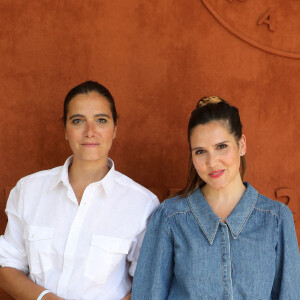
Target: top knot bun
[{"x": 208, "y": 100}]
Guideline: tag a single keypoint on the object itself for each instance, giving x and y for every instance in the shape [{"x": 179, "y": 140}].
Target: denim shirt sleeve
[
  {"x": 154, "y": 270},
  {"x": 287, "y": 280}
]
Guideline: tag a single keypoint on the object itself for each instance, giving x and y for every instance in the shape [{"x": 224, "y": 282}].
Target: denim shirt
[{"x": 189, "y": 253}]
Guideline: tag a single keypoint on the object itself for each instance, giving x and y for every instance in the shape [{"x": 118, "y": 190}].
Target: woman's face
[
  {"x": 216, "y": 154},
  {"x": 90, "y": 128}
]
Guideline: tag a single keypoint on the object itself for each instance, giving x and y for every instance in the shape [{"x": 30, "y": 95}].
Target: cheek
[
  {"x": 108, "y": 134},
  {"x": 232, "y": 159},
  {"x": 71, "y": 134},
  {"x": 198, "y": 164}
]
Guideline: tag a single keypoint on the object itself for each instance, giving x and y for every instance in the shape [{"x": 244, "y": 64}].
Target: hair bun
[{"x": 208, "y": 100}]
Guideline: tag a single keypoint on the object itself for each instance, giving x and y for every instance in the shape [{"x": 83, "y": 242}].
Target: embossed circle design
[{"x": 272, "y": 26}]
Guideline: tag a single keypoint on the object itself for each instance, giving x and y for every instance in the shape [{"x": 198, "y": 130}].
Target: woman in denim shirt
[{"x": 218, "y": 238}]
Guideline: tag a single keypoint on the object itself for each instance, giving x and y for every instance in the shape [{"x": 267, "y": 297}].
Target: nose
[
  {"x": 89, "y": 129},
  {"x": 212, "y": 159}
]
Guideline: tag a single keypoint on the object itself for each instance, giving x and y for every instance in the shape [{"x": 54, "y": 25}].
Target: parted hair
[
  {"x": 85, "y": 88},
  {"x": 209, "y": 109}
]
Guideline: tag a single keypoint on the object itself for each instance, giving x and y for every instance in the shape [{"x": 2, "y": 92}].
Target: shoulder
[
  {"x": 173, "y": 206},
  {"x": 163, "y": 216},
  {"x": 31, "y": 185},
  {"x": 39, "y": 177},
  {"x": 132, "y": 188},
  {"x": 267, "y": 205},
  {"x": 131, "y": 185}
]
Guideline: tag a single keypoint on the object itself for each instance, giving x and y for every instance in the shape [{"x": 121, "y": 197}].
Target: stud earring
[{"x": 242, "y": 153}]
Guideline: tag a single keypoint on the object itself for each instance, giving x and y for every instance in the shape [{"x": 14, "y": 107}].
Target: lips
[
  {"x": 90, "y": 145},
  {"x": 216, "y": 174}
]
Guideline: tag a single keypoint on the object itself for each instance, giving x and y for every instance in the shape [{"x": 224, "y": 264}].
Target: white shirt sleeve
[
  {"x": 134, "y": 252},
  {"x": 12, "y": 245}
]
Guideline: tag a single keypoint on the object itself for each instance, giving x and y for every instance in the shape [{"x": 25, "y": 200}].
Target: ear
[
  {"x": 115, "y": 131},
  {"x": 66, "y": 136},
  {"x": 242, "y": 145}
]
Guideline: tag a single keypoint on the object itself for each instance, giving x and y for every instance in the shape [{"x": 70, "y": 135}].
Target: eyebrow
[
  {"x": 201, "y": 148},
  {"x": 82, "y": 116}
]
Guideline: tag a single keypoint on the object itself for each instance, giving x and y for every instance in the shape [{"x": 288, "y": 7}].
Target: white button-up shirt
[{"x": 85, "y": 251}]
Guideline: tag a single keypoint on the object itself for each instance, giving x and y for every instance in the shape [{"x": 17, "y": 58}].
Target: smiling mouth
[{"x": 216, "y": 174}]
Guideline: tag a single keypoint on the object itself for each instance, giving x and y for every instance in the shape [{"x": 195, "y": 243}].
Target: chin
[
  {"x": 91, "y": 157},
  {"x": 217, "y": 186}
]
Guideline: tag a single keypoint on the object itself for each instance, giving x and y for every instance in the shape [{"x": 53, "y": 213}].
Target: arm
[
  {"x": 13, "y": 257},
  {"x": 154, "y": 271},
  {"x": 287, "y": 277},
  {"x": 20, "y": 287},
  {"x": 127, "y": 297}
]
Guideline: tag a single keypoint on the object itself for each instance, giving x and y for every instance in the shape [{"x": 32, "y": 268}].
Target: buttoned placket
[
  {"x": 226, "y": 262},
  {"x": 73, "y": 239}
]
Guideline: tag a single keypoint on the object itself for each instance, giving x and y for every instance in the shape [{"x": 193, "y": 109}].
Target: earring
[
  {"x": 242, "y": 153},
  {"x": 66, "y": 137}
]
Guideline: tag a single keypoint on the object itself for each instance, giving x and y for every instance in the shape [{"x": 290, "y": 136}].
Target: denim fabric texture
[{"x": 189, "y": 253}]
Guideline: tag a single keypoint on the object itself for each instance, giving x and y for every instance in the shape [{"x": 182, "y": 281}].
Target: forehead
[
  {"x": 211, "y": 133},
  {"x": 89, "y": 103}
]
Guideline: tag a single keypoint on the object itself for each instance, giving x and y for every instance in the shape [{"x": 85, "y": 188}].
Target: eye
[
  {"x": 76, "y": 121},
  {"x": 199, "y": 152},
  {"x": 101, "y": 120},
  {"x": 222, "y": 146}
]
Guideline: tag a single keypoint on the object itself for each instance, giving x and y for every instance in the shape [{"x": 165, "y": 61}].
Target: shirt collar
[
  {"x": 107, "y": 182},
  {"x": 109, "y": 179},
  {"x": 209, "y": 222},
  {"x": 62, "y": 175}
]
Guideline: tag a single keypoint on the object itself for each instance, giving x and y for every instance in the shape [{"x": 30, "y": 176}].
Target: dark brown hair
[
  {"x": 211, "y": 109},
  {"x": 85, "y": 88}
]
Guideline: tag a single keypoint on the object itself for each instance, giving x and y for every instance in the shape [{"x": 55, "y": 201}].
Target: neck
[
  {"x": 223, "y": 201},
  {"x": 87, "y": 171},
  {"x": 82, "y": 173}
]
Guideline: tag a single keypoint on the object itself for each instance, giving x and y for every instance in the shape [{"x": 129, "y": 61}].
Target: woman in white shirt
[{"x": 75, "y": 231}]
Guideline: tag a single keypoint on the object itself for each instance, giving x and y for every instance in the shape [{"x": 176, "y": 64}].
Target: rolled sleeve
[
  {"x": 155, "y": 266},
  {"x": 287, "y": 280},
  {"x": 12, "y": 246}
]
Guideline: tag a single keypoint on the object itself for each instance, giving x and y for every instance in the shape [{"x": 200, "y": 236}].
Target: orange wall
[{"x": 157, "y": 58}]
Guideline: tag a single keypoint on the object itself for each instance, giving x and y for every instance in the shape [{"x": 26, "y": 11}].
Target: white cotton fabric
[{"x": 87, "y": 251}]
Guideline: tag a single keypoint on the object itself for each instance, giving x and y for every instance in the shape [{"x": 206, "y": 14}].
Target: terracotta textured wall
[{"x": 157, "y": 58}]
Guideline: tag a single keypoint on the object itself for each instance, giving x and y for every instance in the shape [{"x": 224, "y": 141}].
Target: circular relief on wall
[{"x": 271, "y": 25}]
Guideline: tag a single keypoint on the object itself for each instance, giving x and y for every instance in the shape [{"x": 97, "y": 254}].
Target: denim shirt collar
[{"x": 209, "y": 221}]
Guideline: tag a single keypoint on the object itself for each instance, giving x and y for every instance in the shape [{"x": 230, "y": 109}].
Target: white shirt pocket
[
  {"x": 105, "y": 254},
  {"x": 39, "y": 248}
]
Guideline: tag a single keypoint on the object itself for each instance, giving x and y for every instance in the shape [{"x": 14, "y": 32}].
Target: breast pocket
[
  {"x": 39, "y": 248},
  {"x": 105, "y": 255}
]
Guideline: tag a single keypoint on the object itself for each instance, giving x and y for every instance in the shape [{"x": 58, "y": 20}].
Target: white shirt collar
[
  {"x": 109, "y": 179},
  {"x": 107, "y": 182}
]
